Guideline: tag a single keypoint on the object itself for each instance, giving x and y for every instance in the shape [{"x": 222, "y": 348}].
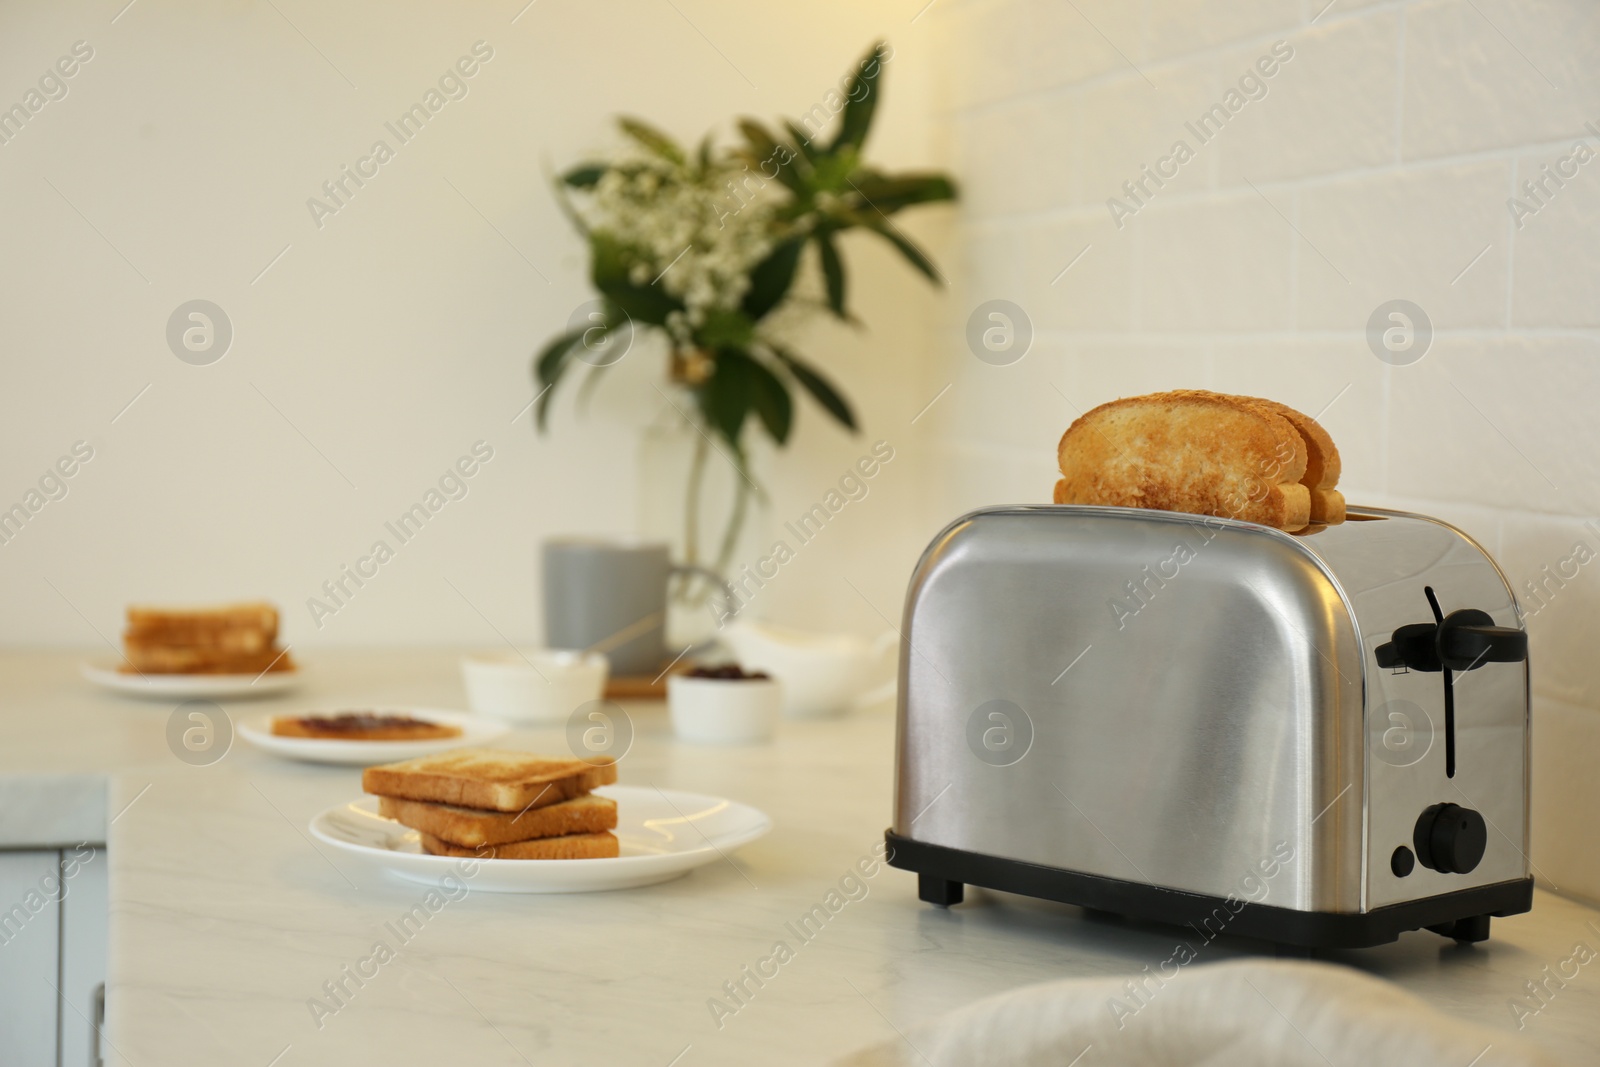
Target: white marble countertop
[{"x": 226, "y": 918}]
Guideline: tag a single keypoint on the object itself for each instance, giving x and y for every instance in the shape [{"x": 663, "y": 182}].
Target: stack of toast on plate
[
  {"x": 225, "y": 639},
  {"x": 1237, "y": 457},
  {"x": 493, "y": 804}
]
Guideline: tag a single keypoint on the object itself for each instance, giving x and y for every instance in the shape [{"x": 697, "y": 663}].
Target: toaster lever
[
  {"x": 1464, "y": 641},
  {"x": 1468, "y": 638},
  {"x": 1413, "y": 646}
]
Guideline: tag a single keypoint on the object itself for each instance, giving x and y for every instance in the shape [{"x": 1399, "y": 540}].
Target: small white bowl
[
  {"x": 723, "y": 711},
  {"x": 545, "y": 686}
]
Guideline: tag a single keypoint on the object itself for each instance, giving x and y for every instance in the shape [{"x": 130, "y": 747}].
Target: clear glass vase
[{"x": 694, "y": 497}]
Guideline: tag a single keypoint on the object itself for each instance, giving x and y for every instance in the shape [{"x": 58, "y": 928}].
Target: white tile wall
[
  {"x": 1299, "y": 128},
  {"x": 1566, "y": 794},
  {"x": 1377, "y": 165},
  {"x": 1517, "y": 414},
  {"x": 1406, "y": 233},
  {"x": 1217, "y": 264},
  {"x": 1558, "y": 257},
  {"x": 1129, "y": 122},
  {"x": 1180, "y": 27},
  {"x": 1495, "y": 74}
]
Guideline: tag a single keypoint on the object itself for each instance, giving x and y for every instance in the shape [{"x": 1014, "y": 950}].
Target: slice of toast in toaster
[
  {"x": 1190, "y": 450},
  {"x": 1322, "y": 463}
]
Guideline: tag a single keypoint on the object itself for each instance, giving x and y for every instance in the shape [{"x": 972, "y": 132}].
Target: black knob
[
  {"x": 1469, "y": 638},
  {"x": 1450, "y": 838}
]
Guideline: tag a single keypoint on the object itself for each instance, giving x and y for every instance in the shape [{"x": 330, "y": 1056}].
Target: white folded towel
[{"x": 1244, "y": 1013}]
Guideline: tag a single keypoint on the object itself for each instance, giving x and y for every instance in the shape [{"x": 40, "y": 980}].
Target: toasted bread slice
[
  {"x": 469, "y": 827},
  {"x": 255, "y": 615},
  {"x": 488, "y": 778},
  {"x": 163, "y": 660},
  {"x": 362, "y": 726},
  {"x": 1327, "y": 506},
  {"x": 1322, "y": 463},
  {"x": 602, "y": 845},
  {"x": 222, "y": 641},
  {"x": 1328, "y": 503},
  {"x": 1322, "y": 455},
  {"x": 1190, "y": 450}
]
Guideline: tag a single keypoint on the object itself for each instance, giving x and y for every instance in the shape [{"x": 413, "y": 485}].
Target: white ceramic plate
[
  {"x": 475, "y": 730},
  {"x": 664, "y": 834},
  {"x": 192, "y": 686}
]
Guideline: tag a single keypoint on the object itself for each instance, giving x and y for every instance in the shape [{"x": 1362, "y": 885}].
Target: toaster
[{"x": 1317, "y": 739}]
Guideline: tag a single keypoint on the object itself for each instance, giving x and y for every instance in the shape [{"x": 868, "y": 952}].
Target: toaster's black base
[{"x": 1464, "y": 915}]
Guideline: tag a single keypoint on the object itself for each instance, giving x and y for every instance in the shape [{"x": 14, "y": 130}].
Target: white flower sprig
[{"x": 697, "y": 233}]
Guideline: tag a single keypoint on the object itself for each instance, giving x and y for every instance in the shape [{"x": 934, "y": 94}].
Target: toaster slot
[{"x": 1449, "y": 691}]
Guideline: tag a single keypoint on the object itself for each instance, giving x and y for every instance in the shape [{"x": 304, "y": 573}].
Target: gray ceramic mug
[{"x": 612, "y": 596}]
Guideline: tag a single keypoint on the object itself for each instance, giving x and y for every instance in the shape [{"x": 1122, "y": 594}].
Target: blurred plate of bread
[{"x": 221, "y": 650}]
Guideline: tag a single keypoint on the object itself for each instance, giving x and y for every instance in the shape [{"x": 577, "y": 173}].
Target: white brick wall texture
[{"x": 1375, "y": 162}]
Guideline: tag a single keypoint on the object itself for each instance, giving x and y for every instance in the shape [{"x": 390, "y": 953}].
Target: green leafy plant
[{"x": 705, "y": 246}]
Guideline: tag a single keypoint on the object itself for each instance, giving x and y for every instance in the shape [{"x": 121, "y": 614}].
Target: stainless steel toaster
[{"x": 1317, "y": 739}]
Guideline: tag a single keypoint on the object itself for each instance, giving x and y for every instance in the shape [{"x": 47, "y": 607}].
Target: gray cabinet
[
  {"x": 84, "y": 914},
  {"x": 30, "y": 933},
  {"x": 53, "y": 911}
]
